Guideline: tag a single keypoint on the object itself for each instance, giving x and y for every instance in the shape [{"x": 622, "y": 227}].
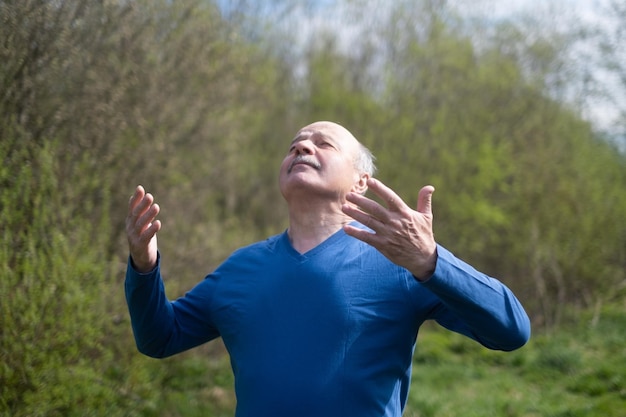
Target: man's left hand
[{"x": 403, "y": 235}]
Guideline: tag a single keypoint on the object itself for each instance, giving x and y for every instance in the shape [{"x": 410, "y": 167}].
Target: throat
[
  {"x": 312, "y": 221},
  {"x": 303, "y": 240}
]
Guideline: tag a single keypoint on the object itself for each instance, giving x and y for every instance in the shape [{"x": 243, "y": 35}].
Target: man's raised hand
[
  {"x": 141, "y": 230},
  {"x": 403, "y": 235}
]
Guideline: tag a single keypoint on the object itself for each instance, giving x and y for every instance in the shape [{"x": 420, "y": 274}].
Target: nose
[{"x": 304, "y": 147}]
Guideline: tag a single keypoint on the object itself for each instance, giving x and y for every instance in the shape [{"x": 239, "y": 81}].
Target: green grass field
[{"x": 577, "y": 371}]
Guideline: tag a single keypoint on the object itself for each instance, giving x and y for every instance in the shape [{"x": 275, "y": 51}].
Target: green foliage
[
  {"x": 575, "y": 371},
  {"x": 209, "y": 381},
  {"x": 100, "y": 96},
  {"x": 57, "y": 330},
  {"x": 506, "y": 158}
]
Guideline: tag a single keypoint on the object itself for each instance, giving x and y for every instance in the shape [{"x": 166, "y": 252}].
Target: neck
[{"x": 310, "y": 224}]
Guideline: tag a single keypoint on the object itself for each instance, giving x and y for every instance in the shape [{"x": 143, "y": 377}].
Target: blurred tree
[
  {"x": 614, "y": 59},
  {"x": 481, "y": 123},
  {"x": 98, "y": 96},
  {"x": 199, "y": 106},
  {"x": 60, "y": 331}
]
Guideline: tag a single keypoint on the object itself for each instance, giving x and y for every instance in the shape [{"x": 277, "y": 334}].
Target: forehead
[{"x": 328, "y": 130}]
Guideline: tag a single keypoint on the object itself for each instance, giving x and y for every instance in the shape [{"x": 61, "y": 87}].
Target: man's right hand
[{"x": 141, "y": 230}]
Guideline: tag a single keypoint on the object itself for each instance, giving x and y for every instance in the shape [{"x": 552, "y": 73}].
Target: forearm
[
  {"x": 477, "y": 305},
  {"x": 150, "y": 311}
]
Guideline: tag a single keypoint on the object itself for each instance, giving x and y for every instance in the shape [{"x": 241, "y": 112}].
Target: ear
[{"x": 360, "y": 185}]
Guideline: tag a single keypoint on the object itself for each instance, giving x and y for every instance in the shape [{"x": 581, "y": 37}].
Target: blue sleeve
[
  {"x": 163, "y": 328},
  {"x": 477, "y": 305}
]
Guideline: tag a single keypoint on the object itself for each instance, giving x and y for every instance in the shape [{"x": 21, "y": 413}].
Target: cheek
[
  {"x": 282, "y": 172},
  {"x": 348, "y": 172},
  {"x": 284, "y": 165}
]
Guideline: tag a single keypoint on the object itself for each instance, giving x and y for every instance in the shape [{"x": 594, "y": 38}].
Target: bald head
[{"x": 363, "y": 158}]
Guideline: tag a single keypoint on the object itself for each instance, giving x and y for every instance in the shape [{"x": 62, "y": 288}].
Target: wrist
[
  {"x": 427, "y": 269},
  {"x": 143, "y": 267}
]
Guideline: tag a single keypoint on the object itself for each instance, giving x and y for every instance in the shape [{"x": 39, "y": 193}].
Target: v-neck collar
[{"x": 311, "y": 253}]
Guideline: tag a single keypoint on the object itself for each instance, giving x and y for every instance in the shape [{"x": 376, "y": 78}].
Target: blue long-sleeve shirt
[{"x": 327, "y": 333}]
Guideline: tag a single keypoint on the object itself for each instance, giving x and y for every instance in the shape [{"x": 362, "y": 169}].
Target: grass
[{"x": 578, "y": 370}]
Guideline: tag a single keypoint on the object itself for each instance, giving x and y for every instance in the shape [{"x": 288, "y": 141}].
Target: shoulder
[
  {"x": 252, "y": 255},
  {"x": 262, "y": 247}
]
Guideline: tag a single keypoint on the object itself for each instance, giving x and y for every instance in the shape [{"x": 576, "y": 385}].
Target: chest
[{"x": 308, "y": 302}]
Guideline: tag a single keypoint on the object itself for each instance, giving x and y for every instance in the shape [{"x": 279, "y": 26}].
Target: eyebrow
[{"x": 306, "y": 134}]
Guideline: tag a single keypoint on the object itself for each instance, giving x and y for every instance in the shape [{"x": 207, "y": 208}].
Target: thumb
[{"x": 424, "y": 200}]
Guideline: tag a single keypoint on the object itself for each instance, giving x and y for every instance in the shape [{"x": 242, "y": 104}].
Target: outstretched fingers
[
  {"x": 425, "y": 200},
  {"x": 147, "y": 224},
  {"x": 400, "y": 233},
  {"x": 391, "y": 199},
  {"x": 142, "y": 210},
  {"x": 364, "y": 210},
  {"x": 369, "y": 212},
  {"x": 139, "y": 203},
  {"x": 141, "y": 229}
]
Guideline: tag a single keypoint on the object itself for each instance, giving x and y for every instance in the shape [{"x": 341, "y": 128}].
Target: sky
[
  {"x": 588, "y": 9},
  {"x": 603, "y": 114}
]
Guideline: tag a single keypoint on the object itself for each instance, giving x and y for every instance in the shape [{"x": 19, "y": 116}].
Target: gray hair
[{"x": 364, "y": 160}]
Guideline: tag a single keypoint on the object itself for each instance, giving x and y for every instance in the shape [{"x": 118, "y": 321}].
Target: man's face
[{"x": 320, "y": 160}]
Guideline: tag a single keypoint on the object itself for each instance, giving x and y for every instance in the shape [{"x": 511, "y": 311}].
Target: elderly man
[{"x": 322, "y": 319}]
